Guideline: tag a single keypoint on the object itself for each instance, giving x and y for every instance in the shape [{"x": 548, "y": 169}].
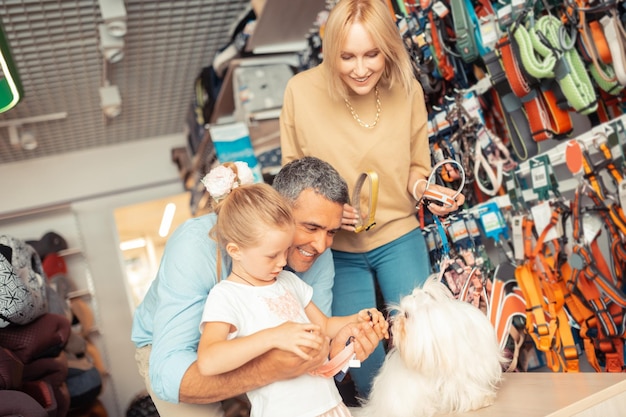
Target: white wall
[{"x": 87, "y": 186}]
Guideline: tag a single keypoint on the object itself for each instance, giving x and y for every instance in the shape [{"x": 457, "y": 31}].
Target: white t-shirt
[{"x": 251, "y": 309}]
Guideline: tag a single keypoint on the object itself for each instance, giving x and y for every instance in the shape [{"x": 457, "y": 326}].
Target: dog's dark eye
[{"x": 406, "y": 314}]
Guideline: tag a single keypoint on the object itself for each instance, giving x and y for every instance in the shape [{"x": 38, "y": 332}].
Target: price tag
[
  {"x": 505, "y": 16},
  {"x": 518, "y": 237},
  {"x": 472, "y": 227},
  {"x": 541, "y": 176},
  {"x": 618, "y": 138},
  {"x": 592, "y": 224},
  {"x": 459, "y": 233},
  {"x": 489, "y": 32},
  {"x": 493, "y": 222},
  {"x": 542, "y": 214},
  {"x": 440, "y": 9},
  {"x": 518, "y": 7},
  {"x": 621, "y": 190}
]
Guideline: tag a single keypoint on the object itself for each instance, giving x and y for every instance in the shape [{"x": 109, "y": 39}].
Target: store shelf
[{"x": 546, "y": 394}]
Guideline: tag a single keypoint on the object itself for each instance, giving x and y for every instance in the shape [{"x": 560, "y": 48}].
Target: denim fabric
[{"x": 397, "y": 267}]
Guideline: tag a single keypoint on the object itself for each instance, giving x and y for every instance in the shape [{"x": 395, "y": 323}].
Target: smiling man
[
  {"x": 317, "y": 194},
  {"x": 166, "y": 324}
]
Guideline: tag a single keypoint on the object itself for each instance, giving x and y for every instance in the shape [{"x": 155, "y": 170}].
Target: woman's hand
[
  {"x": 445, "y": 209},
  {"x": 350, "y": 218}
]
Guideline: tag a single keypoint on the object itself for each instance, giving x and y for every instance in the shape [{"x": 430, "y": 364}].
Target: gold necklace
[
  {"x": 356, "y": 116},
  {"x": 237, "y": 275}
]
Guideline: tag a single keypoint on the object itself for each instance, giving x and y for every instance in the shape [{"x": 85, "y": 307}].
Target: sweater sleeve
[
  {"x": 420, "y": 151},
  {"x": 288, "y": 139}
]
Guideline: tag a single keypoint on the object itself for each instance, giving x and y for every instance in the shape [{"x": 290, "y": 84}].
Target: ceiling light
[
  {"x": 111, "y": 101},
  {"x": 133, "y": 244},
  {"x": 111, "y": 47},
  {"x": 166, "y": 221},
  {"x": 26, "y": 139},
  {"x": 114, "y": 16}
]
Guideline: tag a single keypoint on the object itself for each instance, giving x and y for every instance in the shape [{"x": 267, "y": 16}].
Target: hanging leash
[
  {"x": 536, "y": 111},
  {"x": 515, "y": 118},
  {"x": 337, "y": 367},
  {"x": 569, "y": 69},
  {"x": 616, "y": 39}
]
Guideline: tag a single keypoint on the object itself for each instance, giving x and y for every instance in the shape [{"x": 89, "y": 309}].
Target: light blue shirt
[{"x": 169, "y": 315}]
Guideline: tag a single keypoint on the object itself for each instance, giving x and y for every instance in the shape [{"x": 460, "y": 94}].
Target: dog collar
[{"x": 373, "y": 200}]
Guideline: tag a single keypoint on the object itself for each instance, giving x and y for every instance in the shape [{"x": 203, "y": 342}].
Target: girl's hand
[
  {"x": 292, "y": 337},
  {"x": 350, "y": 218},
  {"x": 376, "y": 319}
]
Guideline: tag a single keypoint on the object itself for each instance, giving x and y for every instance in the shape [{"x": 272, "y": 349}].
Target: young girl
[{"x": 261, "y": 307}]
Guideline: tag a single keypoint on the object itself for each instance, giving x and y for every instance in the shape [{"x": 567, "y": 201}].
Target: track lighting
[
  {"x": 110, "y": 101},
  {"x": 26, "y": 139},
  {"x": 111, "y": 47},
  {"x": 114, "y": 16}
]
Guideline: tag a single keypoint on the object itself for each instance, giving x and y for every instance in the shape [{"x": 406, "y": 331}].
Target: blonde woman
[{"x": 362, "y": 110}]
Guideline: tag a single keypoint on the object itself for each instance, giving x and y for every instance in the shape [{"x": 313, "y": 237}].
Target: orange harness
[
  {"x": 545, "y": 295},
  {"x": 506, "y": 302},
  {"x": 591, "y": 276}
]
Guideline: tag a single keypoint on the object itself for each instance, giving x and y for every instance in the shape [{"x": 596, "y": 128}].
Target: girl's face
[
  {"x": 361, "y": 63},
  {"x": 261, "y": 264}
]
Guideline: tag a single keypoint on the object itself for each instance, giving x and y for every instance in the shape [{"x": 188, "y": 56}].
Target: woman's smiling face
[{"x": 361, "y": 63}]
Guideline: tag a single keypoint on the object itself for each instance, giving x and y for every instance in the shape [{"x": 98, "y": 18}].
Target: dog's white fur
[{"x": 445, "y": 358}]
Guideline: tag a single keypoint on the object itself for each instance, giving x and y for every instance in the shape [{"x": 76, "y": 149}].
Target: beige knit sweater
[{"x": 311, "y": 124}]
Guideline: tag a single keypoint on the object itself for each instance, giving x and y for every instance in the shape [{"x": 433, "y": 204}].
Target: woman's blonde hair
[
  {"x": 247, "y": 212},
  {"x": 376, "y": 18}
]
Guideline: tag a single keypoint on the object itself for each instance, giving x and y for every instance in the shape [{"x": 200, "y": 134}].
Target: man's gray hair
[{"x": 311, "y": 172}]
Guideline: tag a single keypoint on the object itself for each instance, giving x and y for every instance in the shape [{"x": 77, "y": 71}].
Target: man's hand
[{"x": 366, "y": 338}]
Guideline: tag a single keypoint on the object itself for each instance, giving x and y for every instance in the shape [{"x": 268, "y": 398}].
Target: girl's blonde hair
[
  {"x": 375, "y": 17},
  {"x": 247, "y": 212}
]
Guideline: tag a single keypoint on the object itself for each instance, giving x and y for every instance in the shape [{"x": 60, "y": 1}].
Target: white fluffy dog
[{"x": 445, "y": 358}]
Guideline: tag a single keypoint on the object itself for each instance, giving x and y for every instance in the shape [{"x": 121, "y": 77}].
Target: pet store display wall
[
  {"x": 507, "y": 85},
  {"x": 48, "y": 195}
]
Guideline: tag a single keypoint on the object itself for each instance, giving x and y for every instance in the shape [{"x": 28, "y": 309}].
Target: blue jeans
[{"x": 398, "y": 267}]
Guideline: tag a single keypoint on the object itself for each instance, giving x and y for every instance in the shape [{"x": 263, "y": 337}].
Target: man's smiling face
[{"x": 317, "y": 222}]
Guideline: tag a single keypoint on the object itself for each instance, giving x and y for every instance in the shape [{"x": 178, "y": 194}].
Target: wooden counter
[{"x": 542, "y": 394}]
